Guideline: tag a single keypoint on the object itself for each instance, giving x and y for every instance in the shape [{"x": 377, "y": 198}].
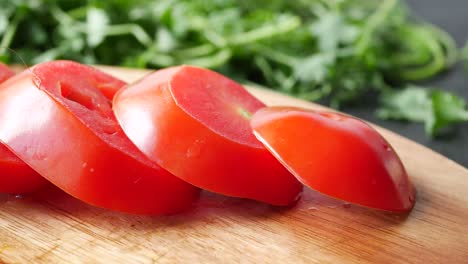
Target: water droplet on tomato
[
  {"x": 84, "y": 164},
  {"x": 19, "y": 196},
  {"x": 195, "y": 149},
  {"x": 313, "y": 208},
  {"x": 91, "y": 170}
]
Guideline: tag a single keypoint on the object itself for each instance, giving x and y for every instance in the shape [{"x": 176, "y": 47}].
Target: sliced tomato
[
  {"x": 15, "y": 175},
  {"x": 195, "y": 123},
  {"x": 337, "y": 155},
  {"x": 56, "y": 120}
]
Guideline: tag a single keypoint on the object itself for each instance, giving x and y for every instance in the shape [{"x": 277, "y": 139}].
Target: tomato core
[
  {"x": 244, "y": 112},
  {"x": 209, "y": 97}
]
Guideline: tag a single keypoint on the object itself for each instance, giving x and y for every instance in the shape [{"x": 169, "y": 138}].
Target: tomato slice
[
  {"x": 337, "y": 155},
  {"x": 57, "y": 121},
  {"x": 195, "y": 123},
  {"x": 15, "y": 175}
]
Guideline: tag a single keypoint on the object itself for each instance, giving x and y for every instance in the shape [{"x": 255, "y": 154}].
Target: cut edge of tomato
[
  {"x": 239, "y": 109},
  {"x": 271, "y": 149},
  {"x": 296, "y": 175},
  {"x": 109, "y": 125}
]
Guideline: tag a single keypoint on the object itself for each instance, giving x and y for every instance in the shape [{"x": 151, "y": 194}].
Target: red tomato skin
[
  {"x": 15, "y": 176},
  {"x": 337, "y": 155},
  {"x": 151, "y": 117},
  {"x": 54, "y": 141}
]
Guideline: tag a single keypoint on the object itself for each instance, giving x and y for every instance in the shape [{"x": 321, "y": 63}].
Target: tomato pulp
[
  {"x": 337, "y": 155},
  {"x": 55, "y": 118},
  {"x": 195, "y": 123}
]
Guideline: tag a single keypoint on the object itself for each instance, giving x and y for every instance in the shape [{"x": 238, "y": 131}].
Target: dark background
[{"x": 451, "y": 15}]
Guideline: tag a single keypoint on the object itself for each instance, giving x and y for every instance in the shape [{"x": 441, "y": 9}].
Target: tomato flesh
[
  {"x": 218, "y": 103},
  {"x": 337, "y": 155},
  {"x": 56, "y": 120},
  {"x": 15, "y": 175},
  {"x": 193, "y": 122}
]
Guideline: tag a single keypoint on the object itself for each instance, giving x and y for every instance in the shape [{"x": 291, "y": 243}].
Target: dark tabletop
[{"x": 451, "y": 15}]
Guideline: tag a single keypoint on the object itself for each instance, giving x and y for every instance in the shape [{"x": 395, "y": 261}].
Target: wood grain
[{"x": 51, "y": 227}]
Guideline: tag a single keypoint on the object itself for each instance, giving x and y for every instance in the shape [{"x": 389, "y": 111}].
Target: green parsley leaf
[{"x": 437, "y": 109}]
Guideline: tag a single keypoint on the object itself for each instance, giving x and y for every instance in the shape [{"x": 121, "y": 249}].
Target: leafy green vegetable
[
  {"x": 437, "y": 109},
  {"x": 334, "y": 51},
  {"x": 464, "y": 54}
]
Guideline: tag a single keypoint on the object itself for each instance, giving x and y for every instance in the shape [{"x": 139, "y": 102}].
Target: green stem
[
  {"x": 266, "y": 32},
  {"x": 10, "y": 33},
  {"x": 215, "y": 39},
  {"x": 197, "y": 51},
  {"x": 275, "y": 55},
  {"x": 60, "y": 16},
  {"x": 161, "y": 60},
  {"x": 374, "y": 21},
  {"x": 79, "y": 12},
  {"x": 410, "y": 58},
  {"x": 212, "y": 61},
  {"x": 448, "y": 43},
  {"x": 438, "y": 60},
  {"x": 50, "y": 54},
  {"x": 264, "y": 67},
  {"x": 137, "y": 31},
  {"x": 152, "y": 56},
  {"x": 313, "y": 95}
]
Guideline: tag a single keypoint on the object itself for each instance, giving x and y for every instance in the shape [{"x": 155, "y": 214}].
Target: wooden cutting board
[{"x": 56, "y": 228}]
